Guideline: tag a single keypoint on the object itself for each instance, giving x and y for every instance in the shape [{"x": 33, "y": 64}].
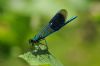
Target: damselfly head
[{"x": 32, "y": 42}]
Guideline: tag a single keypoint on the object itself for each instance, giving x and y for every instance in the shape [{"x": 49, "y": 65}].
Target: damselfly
[{"x": 40, "y": 54}]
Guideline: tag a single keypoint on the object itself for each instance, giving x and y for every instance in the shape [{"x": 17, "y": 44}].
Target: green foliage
[{"x": 77, "y": 44}]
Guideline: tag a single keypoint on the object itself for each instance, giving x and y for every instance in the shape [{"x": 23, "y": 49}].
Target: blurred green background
[{"x": 77, "y": 44}]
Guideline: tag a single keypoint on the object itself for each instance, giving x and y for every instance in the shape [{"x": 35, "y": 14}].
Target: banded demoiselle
[{"x": 40, "y": 55}]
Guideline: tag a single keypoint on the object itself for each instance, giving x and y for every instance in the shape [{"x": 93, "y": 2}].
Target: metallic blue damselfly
[{"x": 40, "y": 54}]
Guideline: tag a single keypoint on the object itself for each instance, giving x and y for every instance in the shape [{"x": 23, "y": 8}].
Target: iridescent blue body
[{"x": 56, "y": 23}]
